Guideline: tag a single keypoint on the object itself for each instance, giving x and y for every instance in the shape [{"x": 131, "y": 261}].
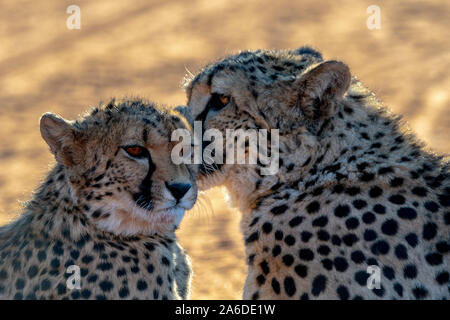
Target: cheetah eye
[
  {"x": 218, "y": 101},
  {"x": 136, "y": 151}
]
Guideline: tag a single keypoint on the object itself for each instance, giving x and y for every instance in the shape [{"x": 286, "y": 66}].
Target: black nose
[{"x": 178, "y": 190}]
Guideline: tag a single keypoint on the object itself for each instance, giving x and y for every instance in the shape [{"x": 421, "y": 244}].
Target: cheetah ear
[
  {"x": 62, "y": 138},
  {"x": 317, "y": 90}
]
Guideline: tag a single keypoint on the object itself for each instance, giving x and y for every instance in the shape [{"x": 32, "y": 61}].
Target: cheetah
[
  {"x": 355, "y": 191},
  {"x": 109, "y": 207}
]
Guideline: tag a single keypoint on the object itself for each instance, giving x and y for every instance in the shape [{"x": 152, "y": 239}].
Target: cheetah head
[
  {"x": 285, "y": 90},
  {"x": 116, "y": 161}
]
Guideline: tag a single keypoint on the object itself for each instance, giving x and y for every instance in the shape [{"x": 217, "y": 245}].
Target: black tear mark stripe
[
  {"x": 145, "y": 135},
  {"x": 143, "y": 198}
]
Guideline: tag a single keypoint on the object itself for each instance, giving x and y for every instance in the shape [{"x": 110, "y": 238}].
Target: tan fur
[
  {"x": 344, "y": 159},
  {"x": 86, "y": 212}
]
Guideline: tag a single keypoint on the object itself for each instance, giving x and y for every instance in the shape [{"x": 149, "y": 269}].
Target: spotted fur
[
  {"x": 103, "y": 211},
  {"x": 354, "y": 189}
]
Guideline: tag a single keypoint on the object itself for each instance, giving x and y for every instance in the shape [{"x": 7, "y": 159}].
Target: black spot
[
  {"x": 253, "y": 237},
  {"x": 407, "y": 213},
  {"x": 350, "y": 239},
  {"x": 380, "y": 209},
  {"x": 267, "y": 227},
  {"x": 306, "y": 254},
  {"x": 165, "y": 261},
  {"x": 304, "y": 296},
  {"x": 359, "y": 204},
  {"x": 352, "y": 191},
  {"x": 399, "y": 289},
  {"x": 342, "y": 211},
  {"x": 352, "y": 223},
  {"x": 380, "y": 247},
  {"x": 419, "y": 191},
  {"x": 336, "y": 240},
  {"x": 366, "y": 177},
  {"x": 396, "y": 182},
  {"x": 442, "y": 247},
  {"x": 124, "y": 292},
  {"x": 264, "y": 267},
  {"x": 279, "y": 235},
  {"x": 305, "y": 235},
  {"x": 358, "y": 256},
  {"x": 389, "y": 227},
  {"x": 92, "y": 278},
  {"x": 420, "y": 292},
  {"x": 442, "y": 278},
  {"x": 106, "y": 285},
  {"x": 289, "y": 240},
  {"x": 288, "y": 260},
  {"x": 412, "y": 239},
  {"x": 343, "y": 293},
  {"x": 289, "y": 286},
  {"x": 327, "y": 264},
  {"x": 318, "y": 285},
  {"x": 279, "y": 209},
  {"x": 141, "y": 285},
  {"x": 431, "y": 206},
  {"x": 410, "y": 271},
  {"x": 429, "y": 231},
  {"x": 323, "y": 235},
  {"x": 341, "y": 264},
  {"x": 385, "y": 170},
  {"x": 379, "y": 292},
  {"x": 401, "y": 252},
  {"x": 254, "y": 221},
  {"x": 375, "y": 192},
  {"x": 397, "y": 199},
  {"x": 313, "y": 207},
  {"x": 20, "y": 284},
  {"x": 447, "y": 218},
  {"x": 32, "y": 271},
  {"x": 295, "y": 221},
  {"x": 45, "y": 285},
  {"x": 368, "y": 217},
  {"x": 361, "y": 278},
  {"x": 388, "y": 272},
  {"x": 434, "y": 259},
  {"x": 104, "y": 266},
  {"x": 276, "y": 286},
  {"x": 323, "y": 250},
  {"x": 276, "y": 250},
  {"x": 320, "y": 222}
]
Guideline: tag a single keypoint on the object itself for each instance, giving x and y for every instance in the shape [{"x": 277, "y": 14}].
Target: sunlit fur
[
  {"x": 87, "y": 207},
  {"x": 341, "y": 147}
]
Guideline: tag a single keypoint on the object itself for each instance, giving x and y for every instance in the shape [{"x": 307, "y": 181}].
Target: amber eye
[
  {"x": 136, "y": 151},
  {"x": 218, "y": 101},
  {"x": 224, "y": 99}
]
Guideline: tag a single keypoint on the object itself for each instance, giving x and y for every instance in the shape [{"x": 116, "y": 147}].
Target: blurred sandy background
[{"x": 144, "y": 48}]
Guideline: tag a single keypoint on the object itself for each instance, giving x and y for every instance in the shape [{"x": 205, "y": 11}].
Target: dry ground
[{"x": 144, "y": 48}]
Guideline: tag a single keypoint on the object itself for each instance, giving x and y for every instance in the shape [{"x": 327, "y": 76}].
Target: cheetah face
[
  {"x": 118, "y": 162},
  {"x": 281, "y": 90}
]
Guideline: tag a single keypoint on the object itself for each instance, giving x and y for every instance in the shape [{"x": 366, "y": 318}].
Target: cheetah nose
[{"x": 178, "y": 190}]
